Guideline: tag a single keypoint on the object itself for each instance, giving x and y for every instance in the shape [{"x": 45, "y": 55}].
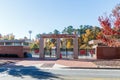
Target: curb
[{"x": 113, "y": 68}]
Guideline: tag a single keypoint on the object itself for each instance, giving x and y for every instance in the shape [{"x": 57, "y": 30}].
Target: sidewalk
[{"x": 56, "y": 64}]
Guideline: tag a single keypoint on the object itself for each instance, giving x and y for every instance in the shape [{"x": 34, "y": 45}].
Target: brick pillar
[
  {"x": 75, "y": 47},
  {"x": 41, "y": 49},
  {"x": 58, "y": 48}
]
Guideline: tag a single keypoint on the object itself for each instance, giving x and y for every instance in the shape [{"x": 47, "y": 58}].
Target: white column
[
  {"x": 4, "y": 44},
  {"x": 22, "y": 43},
  {"x": 41, "y": 49},
  {"x": 13, "y": 44},
  {"x": 75, "y": 48}
]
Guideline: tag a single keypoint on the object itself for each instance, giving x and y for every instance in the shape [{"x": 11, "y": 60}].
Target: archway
[{"x": 57, "y": 37}]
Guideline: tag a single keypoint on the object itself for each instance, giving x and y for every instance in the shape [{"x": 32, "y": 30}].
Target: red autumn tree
[{"x": 110, "y": 33}]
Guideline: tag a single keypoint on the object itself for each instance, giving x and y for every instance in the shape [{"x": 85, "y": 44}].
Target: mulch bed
[{"x": 114, "y": 62}]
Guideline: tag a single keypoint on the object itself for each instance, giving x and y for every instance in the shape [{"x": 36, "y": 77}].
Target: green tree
[
  {"x": 50, "y": 33},
  {"x": 96, "y": 30},
  {"x": 34, "y": 46},
  {"x": 56, "y": 31},
  {"x": 68, "y": 30},
  {"x": 38, "y": 36}
]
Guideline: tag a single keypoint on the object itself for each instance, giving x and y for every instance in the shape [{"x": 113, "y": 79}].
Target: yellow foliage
[
  {"x": 85, "y": 40},
  {"x": 79, "y": 40},
  {"x": 92, "y": 36},
  {"x": 37, "y": 42},
  {"x": 83, "y": 46},
  {"x": 11, "y": 37},
  {"x": 52, "y": 45},
  {"x": 86, "y": 35},
  {"x": 68, "y": 44},
  {"x": 88, "y": 32},
  {"x": 83, "y": 36}
]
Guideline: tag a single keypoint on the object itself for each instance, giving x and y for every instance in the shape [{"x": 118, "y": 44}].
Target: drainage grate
[{"x": 48, "y": 65}]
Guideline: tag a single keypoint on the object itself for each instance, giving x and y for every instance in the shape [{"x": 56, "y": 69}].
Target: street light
[{"x": 30, "y": 32}]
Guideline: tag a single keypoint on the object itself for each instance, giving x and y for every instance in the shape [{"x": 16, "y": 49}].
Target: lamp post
[{"x": 30, "y": 32}]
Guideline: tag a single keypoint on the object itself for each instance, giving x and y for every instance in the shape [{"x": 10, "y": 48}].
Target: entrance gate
[{"x": 58, "y": 36}]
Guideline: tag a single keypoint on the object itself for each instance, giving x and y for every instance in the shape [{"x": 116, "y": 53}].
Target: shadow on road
[{"x": 21, "y": 71}]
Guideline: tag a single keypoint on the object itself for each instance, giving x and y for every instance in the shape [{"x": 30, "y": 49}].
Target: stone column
[
  {"x": 75, "y": 47},
  {"x": 58, "y": 48},
  {"x": 41, "y": 49}
]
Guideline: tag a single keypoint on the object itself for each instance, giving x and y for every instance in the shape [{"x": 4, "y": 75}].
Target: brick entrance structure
[
  {"x": 58, "y": 36},
  {"x": 104, "y": 52}
]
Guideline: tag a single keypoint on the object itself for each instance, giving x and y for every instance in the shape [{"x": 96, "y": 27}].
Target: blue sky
[{"x": 20, "y": 16}]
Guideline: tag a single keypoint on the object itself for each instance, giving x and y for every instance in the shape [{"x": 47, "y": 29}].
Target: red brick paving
[
  {"x": 69, "y": 63},
  {"x": 73, "y": 63}
]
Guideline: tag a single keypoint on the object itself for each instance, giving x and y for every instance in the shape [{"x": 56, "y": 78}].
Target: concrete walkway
[{"x": 53, "y": 64}]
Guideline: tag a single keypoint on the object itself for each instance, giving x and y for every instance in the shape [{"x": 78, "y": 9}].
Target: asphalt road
[{"x": 33, "y": 73}]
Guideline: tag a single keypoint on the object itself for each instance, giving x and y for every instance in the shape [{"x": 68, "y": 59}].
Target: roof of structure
[
  {"x": 58, "y": 36},
  {"x": 12, "y": 41}
]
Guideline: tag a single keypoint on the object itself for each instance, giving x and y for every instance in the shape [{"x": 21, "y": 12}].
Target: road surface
[{"x": 33, "y": 73}]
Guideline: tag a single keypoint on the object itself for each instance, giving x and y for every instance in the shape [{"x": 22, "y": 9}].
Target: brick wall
[
  {"x": 18, "y": 50},
  {"x": 26, "y": 49},
  {"x": 108, "y": 52}
]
